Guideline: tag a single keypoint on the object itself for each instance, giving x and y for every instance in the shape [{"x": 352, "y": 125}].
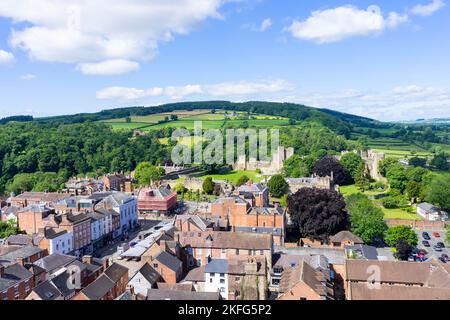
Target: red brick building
[
  {"x": 16, "y": 282},
  {"x": 159, "y": 201},
  {"x": 111, "y": 284}
]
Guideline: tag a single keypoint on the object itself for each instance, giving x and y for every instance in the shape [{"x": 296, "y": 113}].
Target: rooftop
[
  {"x": 23, "y": 252},
  {"x": 169, "y": 260},
  {"x": 13, "y": 274},
  {"x": 217, "y": 266},
  {"x": 231, "y": 240},
  {"x": 161, "y": 294},
  {"x": 54, "y": 261}
]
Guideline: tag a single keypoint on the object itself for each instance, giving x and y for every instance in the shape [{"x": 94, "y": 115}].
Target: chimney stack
[
  {"x": 87, "y": 259},
  {"x": 21, "y": 261},
  {"x": 2, "y": 271}
]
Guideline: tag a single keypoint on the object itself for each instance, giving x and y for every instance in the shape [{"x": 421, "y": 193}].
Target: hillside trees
[{"x": 69, "y": 150}]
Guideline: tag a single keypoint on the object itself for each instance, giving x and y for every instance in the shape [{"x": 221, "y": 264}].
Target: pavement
[{"x": 431, "y": 252}]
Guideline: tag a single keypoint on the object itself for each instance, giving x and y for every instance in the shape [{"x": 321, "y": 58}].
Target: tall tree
[
  {"x": 438, "y": 192},
  {"x": 362, "y": 178},
  {"x": 147, "y": 174},
  {"x": 318, "y": 213},
  {"x": 330, "y": 166},
  {"x": 352, "y": 162},
  {"x": 403, "y": 250},
  {"x": 208, "y": 185},
  {"x": 394, "y": 234},
  {"x": 277, "y": 186},
  {"x": 367, "y": 221}
]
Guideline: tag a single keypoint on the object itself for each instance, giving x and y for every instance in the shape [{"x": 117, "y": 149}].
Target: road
[
  {"x": 433, "y": 242},
  {"x": 110, "y": 251}
]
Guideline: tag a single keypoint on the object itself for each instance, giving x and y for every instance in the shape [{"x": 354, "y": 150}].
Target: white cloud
[
  {"x": 332, "y": 25},
  {"x": 86, "y": 32},
  {"x": 226, "y": 89},
  {"x": 428, "y": 9},
  {"x": 266, "y": 24},
  {"x": 400, "y": 103},
  {"x": 108, "y": 67},
  {"x": 28, "y": 77},
  {"x": 6, "y": 58}
]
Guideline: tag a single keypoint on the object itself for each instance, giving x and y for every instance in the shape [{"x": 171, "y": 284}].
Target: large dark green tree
[{"x": 277, "y": 186}]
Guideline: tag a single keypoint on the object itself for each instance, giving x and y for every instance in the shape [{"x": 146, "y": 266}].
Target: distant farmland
[{"x": 186, "y": 119}]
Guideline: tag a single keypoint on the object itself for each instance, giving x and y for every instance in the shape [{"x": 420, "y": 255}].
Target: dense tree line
[{"x": 50, "y": 154}]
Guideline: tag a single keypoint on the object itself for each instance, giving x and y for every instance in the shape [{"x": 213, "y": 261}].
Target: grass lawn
[
  {"x": 233, "y": 176},
  {"x": 353, "y": 189},
  {"x": 400, "y": 214}
]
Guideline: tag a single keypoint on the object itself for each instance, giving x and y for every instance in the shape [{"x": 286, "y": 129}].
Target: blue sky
[{"x": 388, "y": 60}]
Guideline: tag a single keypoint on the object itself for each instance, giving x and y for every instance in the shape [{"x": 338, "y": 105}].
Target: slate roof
[
  {"x": 255, "y": 187},
  {"x": 99, "y": 288},
  {"x": 161, "y": 294},
  {"x": 61, "y": 282},
  {"x": 260, "y": 230},
  {"x": 116, "y": 271},
  {"x": 217, "y": 266},
  {"x": 150, "y": 274},
  {"x": 23, "y": 252},
  {"x": 19, "y": 239},
  {"x": 13, "y": 274},
  {"x": 47, "y": 291},
  {"x": 427, "y": 207},
  {"x": 171, "y": 262},
  {"x": 54, "y": 261},
  {"x": 366, "y": 252}
]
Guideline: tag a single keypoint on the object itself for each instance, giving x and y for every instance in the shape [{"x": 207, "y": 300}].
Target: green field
[
  {"x": 187, "y": 119},
  {"x": 126, "y": 126},
  {"x": 400, "y": 214},
  {"x": 233, "y": 176}
]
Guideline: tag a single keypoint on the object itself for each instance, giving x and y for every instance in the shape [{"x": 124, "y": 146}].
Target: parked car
[
  {"x": 426, "y": 243},
  {"x": 426, "y": 236},
  {"x": 440, "y": 244},
  {"x": 445, "y": 257},
  {"x": 437, "y": 248},
  {"x": 436, "y": 234},
  {"x": 442, "y": 260}
]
